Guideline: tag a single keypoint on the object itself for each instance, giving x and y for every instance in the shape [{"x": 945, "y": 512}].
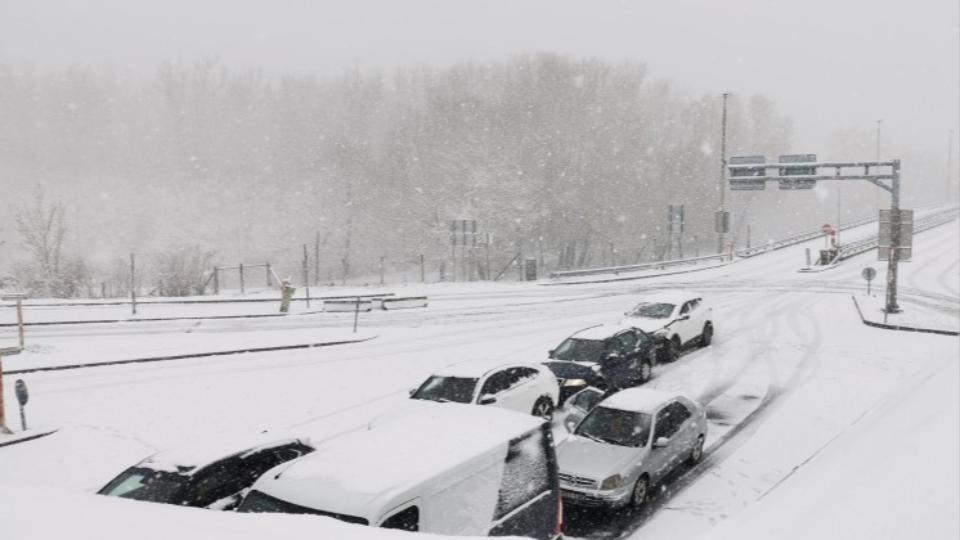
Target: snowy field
[{"x": 821, "y": 427}]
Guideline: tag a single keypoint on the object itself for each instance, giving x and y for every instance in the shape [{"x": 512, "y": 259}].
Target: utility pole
[
  {"x": 877, "y": 194},
  {"x": 306, "y": 275},
  {"x": 723, "y": 174}
]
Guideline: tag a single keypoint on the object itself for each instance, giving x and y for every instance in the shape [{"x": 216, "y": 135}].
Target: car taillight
[{"x": 558, "y": 531}]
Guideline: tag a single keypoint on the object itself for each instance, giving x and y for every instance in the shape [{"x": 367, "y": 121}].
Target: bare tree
[{"x": 42, "y": 231}]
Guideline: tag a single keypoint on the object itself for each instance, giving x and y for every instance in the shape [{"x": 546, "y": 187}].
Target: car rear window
[
  {"x": 260, "y": 502},
  {"x": 456, "y": 389},
  {"x": 145, "y": 484}
]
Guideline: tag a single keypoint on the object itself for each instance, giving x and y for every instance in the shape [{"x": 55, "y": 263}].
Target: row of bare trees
[{"x": 551, "y": 155}]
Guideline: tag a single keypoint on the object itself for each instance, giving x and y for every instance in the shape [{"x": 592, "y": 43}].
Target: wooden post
[
  {"x": 356, "y": 315},
  {"x": 381, "y": 269},
  {"x": 133, "y": 285},
  {"x": 103, "y": 289},
  {"x": 3, "y": 421},
  {"x": 423, "y": 273},
  {"x": 316, "y": 260},
  {"x": 306, "y": 276},
  {"x": 20, "y": 321},
  {"x": 241, "y": 278}
]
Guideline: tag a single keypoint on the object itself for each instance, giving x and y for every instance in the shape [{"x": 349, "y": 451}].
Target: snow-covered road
[{"x": 791, "y": 370}]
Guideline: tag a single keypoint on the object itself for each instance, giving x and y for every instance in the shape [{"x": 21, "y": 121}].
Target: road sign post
[
  {"x": 802, "y": 171},
  {"x": 868, "y": 274}
]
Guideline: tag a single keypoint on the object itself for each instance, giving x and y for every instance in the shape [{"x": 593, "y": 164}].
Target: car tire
[
  {"x": 543, "y": 408},
  {"x": 696, "y": 454},
  {"x": 707, "y": 336},
  {"x": 646, "y": 372},
  {"x": 673, "y": 349},
  {"x": 640, "y": 492}
]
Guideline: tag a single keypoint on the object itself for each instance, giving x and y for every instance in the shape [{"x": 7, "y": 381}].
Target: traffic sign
[
  {"x": 799, "y": 183},
  {"x": 869, "y": 273}
]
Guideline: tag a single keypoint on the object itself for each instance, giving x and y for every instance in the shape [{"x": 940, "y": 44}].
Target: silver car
[{"x": 627, "y": 443}]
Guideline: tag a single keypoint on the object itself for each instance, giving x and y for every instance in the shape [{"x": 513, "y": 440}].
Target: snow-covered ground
[{"x": 793, "y": 383}]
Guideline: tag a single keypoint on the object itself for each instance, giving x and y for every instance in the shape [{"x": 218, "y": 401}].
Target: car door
[
  {"x": 499, "y": 385},
  {"x": 522, "y": 392},
  {"x": 686, "y": 432},
  {"x": 684, "y": 322},
  {"x": 658, "y": 461}
]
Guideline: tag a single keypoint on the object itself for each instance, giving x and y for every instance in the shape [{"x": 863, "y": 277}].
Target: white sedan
[{"x": 522, "y": 387}]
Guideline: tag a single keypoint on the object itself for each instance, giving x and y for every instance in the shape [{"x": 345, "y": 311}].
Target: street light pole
[
  {"x": 723, "y": 173},
  {"x": 894, "y": 255},
  {"x": 877, "y": 194}
]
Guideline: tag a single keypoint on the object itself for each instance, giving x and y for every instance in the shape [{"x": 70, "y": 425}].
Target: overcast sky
[{"x": 827, "y": 63}]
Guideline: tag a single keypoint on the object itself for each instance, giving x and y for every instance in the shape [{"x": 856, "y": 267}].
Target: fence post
[
  {"x": 423, "y": 273},
  {"x": 241, "y": 278},
  {"x": 269, "y": 284},
  {"x": 306, "y": 276},
  {"x": 381, "y": 269},
  {"x": 216, "y": 280},
  {"x": 133, "y": 285},
  {"x": 316, "y": 259},
  {"x": 356, "y": 315}
]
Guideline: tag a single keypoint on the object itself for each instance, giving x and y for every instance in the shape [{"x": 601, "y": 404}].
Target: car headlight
[
  {"x": 612, "y": 482},
  {"x": 574, "y": 382}
]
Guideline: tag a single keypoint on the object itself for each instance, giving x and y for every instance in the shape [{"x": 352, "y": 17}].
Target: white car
[
  {"x": 676, "y": 319},
  {"x": 522, "y": 387},
  {"x": 627, "y": 443}
]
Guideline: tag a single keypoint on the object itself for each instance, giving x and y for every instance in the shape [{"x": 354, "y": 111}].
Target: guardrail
[
  {"x": 797, "y": 239},
  {"x": 616, "y": 270},
  {"x": 922, "y": 224}
]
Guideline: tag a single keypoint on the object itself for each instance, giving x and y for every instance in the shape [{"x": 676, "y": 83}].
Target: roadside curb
[
  {"x": 29, "y": 438},
  {"x": 898, "y": 327},
  {"x": 187, "y": 356}
]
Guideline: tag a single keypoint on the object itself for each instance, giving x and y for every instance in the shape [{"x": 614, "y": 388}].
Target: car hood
[
  {"x": 566, "y": 369},
  {"x": 648, "y": 325},
  {"x": 583, "y": 457}
]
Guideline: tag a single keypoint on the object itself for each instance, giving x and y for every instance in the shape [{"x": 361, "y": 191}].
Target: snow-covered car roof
[
  {"x": 357, "y": 473},
  {"x": 479, "y": 368},
  {"x": 603, "y": 331},
  {"x": 670, "y": 296},
  {"x": 191, "y": 457},
  {"x": 638, "y": 399}
]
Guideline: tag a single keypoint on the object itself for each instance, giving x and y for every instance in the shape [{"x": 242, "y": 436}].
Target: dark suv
[{"x": 607, "y": 357}]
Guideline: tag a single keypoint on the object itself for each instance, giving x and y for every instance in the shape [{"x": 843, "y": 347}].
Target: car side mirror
[
  {"x": 613, "y": 356},
  {"x": 412, "y": 391},
  {"x": 571, "y": 422},
  {"x": 684, "y": 317},
  {"x": 487, "y": 399},
  {"x": 550, "y": 353},
  {"x": 661, "y": 442}
]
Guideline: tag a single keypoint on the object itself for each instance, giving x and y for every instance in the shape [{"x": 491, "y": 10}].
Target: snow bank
[
  {"x": 46, "y": 514},
  {"x": 895, "y": 474}
]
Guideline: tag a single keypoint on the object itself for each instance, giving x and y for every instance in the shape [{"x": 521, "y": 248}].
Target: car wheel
[
  {"x": 707, "y": 336},
  {"x": 640, "y": 492},
  {"x": 673, "y": 349},
  {"x": 543, "y": 408},
  {"x": 697, "y": 453},
  {"x": 646, "y": 371}
]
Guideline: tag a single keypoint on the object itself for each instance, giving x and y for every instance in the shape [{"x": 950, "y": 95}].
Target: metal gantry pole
[
  {"x": 894, "y": 254},
  {"x": 723, "y": 172}
]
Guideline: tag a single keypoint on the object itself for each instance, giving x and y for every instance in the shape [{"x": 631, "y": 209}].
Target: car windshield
[
  {"x": 457, "y": 389},
  {"x": 579, "y": 350},
  {"x": 146, "y": 485},
  {"x": 257, "y": 502},
  {"x": 649, "y": 310},
  {"x": 613, "y": 426}
]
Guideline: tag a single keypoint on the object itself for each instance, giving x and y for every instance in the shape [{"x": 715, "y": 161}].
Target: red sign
[{"x": 827, "y": 229}]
